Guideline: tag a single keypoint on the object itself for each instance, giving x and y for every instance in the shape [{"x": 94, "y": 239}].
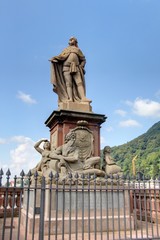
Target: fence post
[
  {"x": 42, "y": 208},
  {"x": 8, "y": 173},
  {"x": 1, "y": 174}
]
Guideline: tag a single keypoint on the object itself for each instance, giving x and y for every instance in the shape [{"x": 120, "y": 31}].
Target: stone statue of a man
[{"x": 67, "y": 74}]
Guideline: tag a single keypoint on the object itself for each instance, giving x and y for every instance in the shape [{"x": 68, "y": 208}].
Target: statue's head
[
  {"x": 47, "y": 145},
  {"x": 73, "y": 41},
  {"x": 70, "y": 136},
  {"x": 106, "y": 149}
]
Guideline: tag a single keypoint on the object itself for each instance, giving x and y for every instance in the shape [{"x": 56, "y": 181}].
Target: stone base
[
  {"x": 75, "y": 106},
  {"x": 72, "y": 225},
  {"x": 77, "y": 212}
]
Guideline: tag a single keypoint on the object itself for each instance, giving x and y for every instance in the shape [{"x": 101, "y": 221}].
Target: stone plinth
[
  {"x": 73, "y": 106},
  {"x": 67, "y": 211},
  {"x": 62, "y": 121}
]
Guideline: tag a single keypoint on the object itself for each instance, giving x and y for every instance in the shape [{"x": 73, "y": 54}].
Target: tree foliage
[{"x": 147, "y": 149}]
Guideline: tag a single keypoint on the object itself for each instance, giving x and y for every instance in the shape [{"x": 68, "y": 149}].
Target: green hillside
[{"x": 147, "y": 149}]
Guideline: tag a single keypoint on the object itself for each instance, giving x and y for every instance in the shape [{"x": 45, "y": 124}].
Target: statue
[
  {"x": 77, "y": 153},
  {"x": 67, "y": 74},
  {"x": 110, "y": 167},
  {"x": 47, "y": 156},
  {"x": 74, "y": 156}
]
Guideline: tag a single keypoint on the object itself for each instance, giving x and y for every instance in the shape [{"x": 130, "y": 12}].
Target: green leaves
[{"x": 147, "y": 147}]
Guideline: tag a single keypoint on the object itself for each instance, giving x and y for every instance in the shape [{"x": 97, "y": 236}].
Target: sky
[{"x": 121, "y": 42}]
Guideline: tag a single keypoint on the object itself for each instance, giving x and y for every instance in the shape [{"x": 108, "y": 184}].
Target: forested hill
[{"x": 147, "y": 149}]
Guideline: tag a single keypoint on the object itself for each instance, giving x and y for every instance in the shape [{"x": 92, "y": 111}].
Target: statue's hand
[
  {"x": 62, "y": 163},
  {"x": 53, "y": 60},
  {"x": 83, "y": 70}
]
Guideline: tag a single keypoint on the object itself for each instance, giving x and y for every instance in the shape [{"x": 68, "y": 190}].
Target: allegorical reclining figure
[{"x": 75, "y": 155}]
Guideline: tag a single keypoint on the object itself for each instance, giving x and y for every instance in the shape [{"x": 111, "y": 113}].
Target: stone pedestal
[
  {"x": 62, "y": 121},
  {"x": 67, "y": 211},
  {"x": 73, "y": 106}
]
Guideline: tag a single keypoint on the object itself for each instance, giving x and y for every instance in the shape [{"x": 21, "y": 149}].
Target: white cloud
[
  {"x": 26, "y": 98},
  {"x": 121, "y": 112},
  {"x": 20, "y": 139},
  {"x": 109, "y": 129},
  {"x": 146, "y": 108},
  {"x": 2, "y": 141},
  {"x": 23, "y": 156},
  {"x": 129, "y": 123}
]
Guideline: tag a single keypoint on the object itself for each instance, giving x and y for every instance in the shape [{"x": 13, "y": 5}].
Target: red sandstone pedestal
[{"x": 60, "y": 122}]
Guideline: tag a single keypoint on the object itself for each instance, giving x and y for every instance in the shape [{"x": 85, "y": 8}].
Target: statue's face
[
  {"x": 107, "y": 150},
  {"x": 46, "y": 145},
  {"x": 72, "y": 42}
]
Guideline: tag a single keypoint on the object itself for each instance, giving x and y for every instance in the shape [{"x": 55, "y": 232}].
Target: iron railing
[{"x": 81, "y": 207}]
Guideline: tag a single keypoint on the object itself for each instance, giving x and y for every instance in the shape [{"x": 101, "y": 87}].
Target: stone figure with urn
[{"x": 74, "y": 145}]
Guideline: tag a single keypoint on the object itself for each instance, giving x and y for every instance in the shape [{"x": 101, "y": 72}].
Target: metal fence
[{"x": 81, "y": 207}]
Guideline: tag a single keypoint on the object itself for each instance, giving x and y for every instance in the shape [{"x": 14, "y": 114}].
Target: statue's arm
[
  {"x": 82, "y": 59},
  {"x": 36, "y": 146},
  {"x": 82, "y": 65},
  {"x": 58, "y": 150},
  {"x": 53, "y": 59},
  {"x": 83, "y": 62},
  {"x": 73, "y": 158},
  {"x": 70, "y": 159},
  {"x": 56, "y": 154},
  {"x": 61, "y": 57}
]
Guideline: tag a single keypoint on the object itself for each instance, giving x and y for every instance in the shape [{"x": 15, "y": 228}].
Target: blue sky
[{"x": 121, "y": 42}]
